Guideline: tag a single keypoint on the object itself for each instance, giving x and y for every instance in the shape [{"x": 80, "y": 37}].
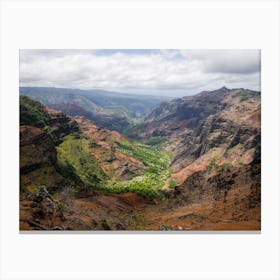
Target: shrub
[
  {"x": 224, "y": 166},
  {"x": 172, "y": 184},
  {"x": 212, "y": 164},
  {"x": 105, "y": 225}
]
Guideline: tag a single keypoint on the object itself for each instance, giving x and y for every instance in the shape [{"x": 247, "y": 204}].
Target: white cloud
[
  {"x": 226, "y": 61},
  {"x": 169, "y": 70}
]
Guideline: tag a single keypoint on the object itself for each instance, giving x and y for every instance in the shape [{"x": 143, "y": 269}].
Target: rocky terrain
[
  {"x": 219, "y": 128},
  {"x": 104, "y": 143},
  {"x": 196, "y": 165}
]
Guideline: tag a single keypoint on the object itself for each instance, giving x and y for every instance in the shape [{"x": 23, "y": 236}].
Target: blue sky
[
  {"x": 171, "y": 72},
  {"x": 143, "y": 52},
  {"x": 126, "y": 51}
]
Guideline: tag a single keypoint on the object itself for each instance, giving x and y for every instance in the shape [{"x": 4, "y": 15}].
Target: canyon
[{"x": 92, "y": 161}]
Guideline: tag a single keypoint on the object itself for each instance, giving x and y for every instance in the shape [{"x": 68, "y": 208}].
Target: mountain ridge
[{"x": 190, "y": 150}]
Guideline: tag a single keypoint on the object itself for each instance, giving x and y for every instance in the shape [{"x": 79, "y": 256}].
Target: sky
[{"x": 170, "y": 72}]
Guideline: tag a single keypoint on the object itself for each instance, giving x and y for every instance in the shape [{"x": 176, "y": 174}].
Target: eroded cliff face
[
  {"x": 215, "y": 172},
  {"x": 104, "y": 144},
  {"x": 220, "y": 127},
  {"x": 58, "y": 125},
  {"x": 41, "y": 130},
  {"x": 38, "y": 160},
  {"x": 54, "y": 149},
  {"x": 232, "y": 194}
]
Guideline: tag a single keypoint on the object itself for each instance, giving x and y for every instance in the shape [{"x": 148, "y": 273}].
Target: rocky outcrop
[
  {"x": 192, "y": 108},
  {"x": 58, "y": 125},
  {"x": 104, "y": 144},
  {"x": 54, "y": 123},
  {"x": 38, "y": 160},
  {"x": 41, "y": 130},
  {"x": 215, "y": 186},
  {"x": 231, "y": 195},
  {"x": 214, "y": 140},
  {"x": 39, "y": 211},
  {"x": 36, "y": 149},
  {"x": 221, "y": 125},
  {"x": 219, "y": 137}
]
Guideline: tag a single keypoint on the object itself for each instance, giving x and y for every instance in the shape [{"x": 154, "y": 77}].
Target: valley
[{"x": 94, "y": 160}]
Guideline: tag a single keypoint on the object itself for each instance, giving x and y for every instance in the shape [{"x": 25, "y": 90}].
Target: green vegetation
[
  {"x": 105, "y": 225},
  {"x": 246, "y": 94},
  {"x": 96, "y": 103},
  {"x": 51, "y": 132},
  {"x": 219, "y": 167},
  {"x": 75, "y": 161},
  {"x": 32, "y": 112},
  {"x": 172, "y": 184},
  {"x": 61, "y": 206},
  {"x": 155, "y": 141},
  {"x": 224, "y": 166},
  {"x": 149, "y": 184},
  {"x": 148, "y": 155},
  {"x": 212, "y": 164}
]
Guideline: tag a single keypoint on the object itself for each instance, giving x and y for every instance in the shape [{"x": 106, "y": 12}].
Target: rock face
[
  {"x": 221, "y": 126},
  {"x": 41, "y": 130},
  {"x": 214, "y": 180},
  {"x": 38, "y": 160},
  {"x": 40, "y": 206},
  {"x": 235, "y": 186},
  {"x": 58, "y": 125},
  {"x": 221, "y": 200},
  {"x": 190, "y": 109},
  {"x": 36, "y": 149},
  {"x": 104, "y": 144}
]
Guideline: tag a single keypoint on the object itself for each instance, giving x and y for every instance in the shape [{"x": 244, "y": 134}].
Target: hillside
[
  {"x": 112, "y": 110},
  {"x": 214, "y": 129},
  {"x": 195, "y": 165}
]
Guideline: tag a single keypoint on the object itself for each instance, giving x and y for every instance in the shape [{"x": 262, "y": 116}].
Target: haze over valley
[{"x": 144, "y": 156}]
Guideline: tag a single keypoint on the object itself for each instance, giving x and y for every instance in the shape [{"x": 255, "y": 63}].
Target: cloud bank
[{"x": 147, "y": 71}]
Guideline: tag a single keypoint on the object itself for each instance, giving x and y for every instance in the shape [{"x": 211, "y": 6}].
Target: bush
[
  {"x": 224, "y": 166},
  {"x": 212, "y": 164},
  {"x": 105, "y": 225},
  {"x": 172, "y": 184}
]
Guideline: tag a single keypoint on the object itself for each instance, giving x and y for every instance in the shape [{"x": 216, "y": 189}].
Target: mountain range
[
  {"x": 113, "y": 110},
  {"x": 94, "y": 160}
]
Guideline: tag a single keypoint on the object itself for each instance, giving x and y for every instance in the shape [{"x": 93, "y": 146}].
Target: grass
[
  {"x": 75, "y": 160},
  {"x": 32, "y": 112},
  {"x": 172, "y": 184},
  {"x": 148, "y": 155},
  {"x": 149, "y": 184}
]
